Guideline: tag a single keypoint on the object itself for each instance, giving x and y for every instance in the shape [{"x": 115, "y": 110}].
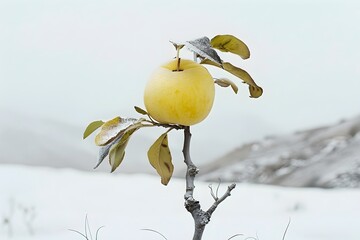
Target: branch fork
[{"x": 201, "y": 217}]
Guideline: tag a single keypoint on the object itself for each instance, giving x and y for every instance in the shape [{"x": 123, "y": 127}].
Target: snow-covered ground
[{"x": 61, "y": 198}]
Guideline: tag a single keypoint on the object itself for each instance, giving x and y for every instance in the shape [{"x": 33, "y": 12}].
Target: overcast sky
[{"x": 80, "y": 60}]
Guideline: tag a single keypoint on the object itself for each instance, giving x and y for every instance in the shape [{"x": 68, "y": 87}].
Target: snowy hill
[
  {"x": 43, "y": 203},
  {"x": 322, "y": 157},
  {"x": 35, "y": 141},
  {"x": 39, "y": 142}
]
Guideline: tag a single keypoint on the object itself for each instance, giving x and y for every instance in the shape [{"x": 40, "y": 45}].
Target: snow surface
[{"x": 124, "y": 204}]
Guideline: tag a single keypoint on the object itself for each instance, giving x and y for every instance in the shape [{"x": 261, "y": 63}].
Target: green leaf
[
  {"x": 254, "y": 89},
  {"x": 224, "y": 82},
  {"x": 92, "y": 127},
  {"x": 113, "y": 128},
  {"x": 140, "y": 110},
  {"x": 229, "y": 43},
  {"x": 202, "y": 47},
  {"x": 117, "y": 151},
  {"x": 116, "y": 157},
  {"x": 160, "y": 158}
]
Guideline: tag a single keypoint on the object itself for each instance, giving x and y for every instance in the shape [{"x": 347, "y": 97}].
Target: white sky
[{"x": 81, "y": 60}]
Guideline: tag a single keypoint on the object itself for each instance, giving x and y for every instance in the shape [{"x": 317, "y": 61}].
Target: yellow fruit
[{"x": 180, "y": 97}]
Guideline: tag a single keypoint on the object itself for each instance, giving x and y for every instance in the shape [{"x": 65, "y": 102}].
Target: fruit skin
[{"x": 182, "y": 97}]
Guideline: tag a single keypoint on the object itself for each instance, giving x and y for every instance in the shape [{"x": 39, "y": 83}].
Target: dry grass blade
[
  {"x": 236, "y": 235},
  {"x": 286, "y": 229},
  {"x": 151, "y": 230}
]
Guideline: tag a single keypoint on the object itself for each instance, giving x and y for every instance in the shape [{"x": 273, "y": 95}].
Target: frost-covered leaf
[
  {"x": 160, "y": 158},
  {"x": 229, "y": 43},
  {"x": 92, "y": 127},
  {"x": 140, "y": 110},
  {"x": 202, "y": 47},
  {"x": 117, "y": 151},
  {"x": 104, "y": 150},
  {"x": 254, "y": 89},
  {"x": 119, "y": 139},
  {"x": 224, "y": 82},
  {"x": 113, "y": 128}
]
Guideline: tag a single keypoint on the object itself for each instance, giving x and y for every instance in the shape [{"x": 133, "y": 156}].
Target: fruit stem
[
  {"x": 178, "y": 65},
  {"x": 178, "y": 58}
]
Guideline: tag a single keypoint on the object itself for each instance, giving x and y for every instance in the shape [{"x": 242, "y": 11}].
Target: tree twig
[
  {"x": 219, "y": 200},
  {"x": 214, "y": 196}
]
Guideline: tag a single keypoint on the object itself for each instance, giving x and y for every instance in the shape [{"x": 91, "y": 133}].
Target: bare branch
[
  {"x": 192, "y": 205},
  {"x": 201, "y": 218},
  {"x": 192, "y": 170}
]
